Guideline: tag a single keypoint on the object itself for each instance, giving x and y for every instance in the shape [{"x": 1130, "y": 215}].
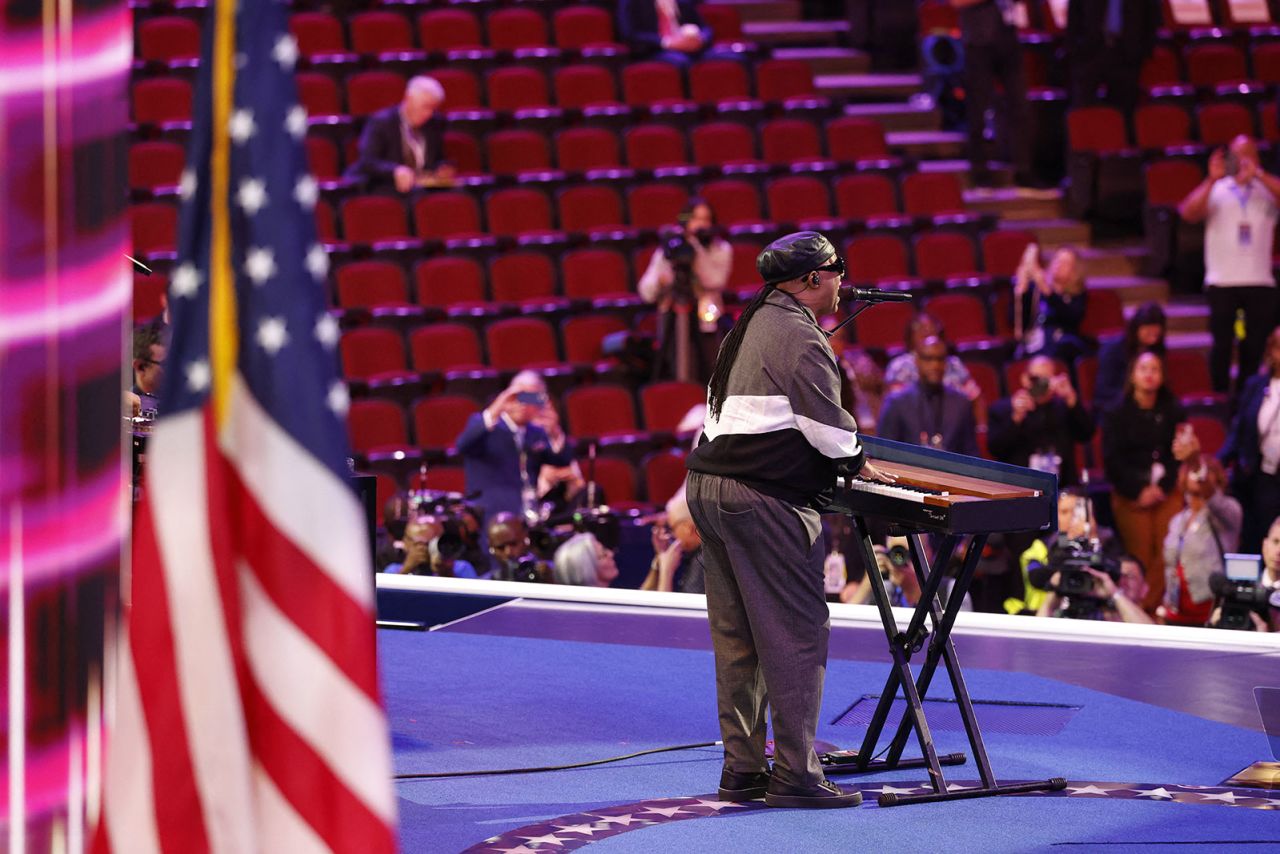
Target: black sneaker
[
  {"x": 825, "y": 795},
  {"x": 743, "y": 787}
]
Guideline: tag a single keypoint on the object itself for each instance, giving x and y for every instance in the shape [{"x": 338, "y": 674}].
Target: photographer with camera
[
  {"x": 1098, "y": 595},
  {"x": 1237, "y": 204},
  {"x": 893, "y": 560},
  {"x": 686, "y": 276},
  {"x": 1200, "y": 536},
  {"x": 1041, "y": 424},
  {"x": 505, "y": 446},
  {"x": 510, "y": 548},
  {"x": 677, "y": 546},
  {"x": 432, "y": 547}
]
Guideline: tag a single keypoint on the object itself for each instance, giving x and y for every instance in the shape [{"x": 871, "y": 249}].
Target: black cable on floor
[{"x": 437, "y": 775}]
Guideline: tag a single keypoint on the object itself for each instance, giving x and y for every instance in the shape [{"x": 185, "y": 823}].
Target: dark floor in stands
[{"x": 1095, "y": 214}]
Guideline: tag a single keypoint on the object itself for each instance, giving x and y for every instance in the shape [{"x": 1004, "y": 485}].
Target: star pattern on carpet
[{"x": 570, "y": 832}]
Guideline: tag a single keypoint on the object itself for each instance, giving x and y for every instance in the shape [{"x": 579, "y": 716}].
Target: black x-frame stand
[{"x": 902, "y": 645}]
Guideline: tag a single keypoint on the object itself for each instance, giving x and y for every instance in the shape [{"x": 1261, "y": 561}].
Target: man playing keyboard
[{"x": 774, "y": 442}]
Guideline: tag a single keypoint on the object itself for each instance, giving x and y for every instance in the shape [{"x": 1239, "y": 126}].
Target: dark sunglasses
[{"x": 836, "y": 265}]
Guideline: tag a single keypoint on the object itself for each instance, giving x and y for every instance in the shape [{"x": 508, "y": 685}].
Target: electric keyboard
[{"x": 948, "y": 493}]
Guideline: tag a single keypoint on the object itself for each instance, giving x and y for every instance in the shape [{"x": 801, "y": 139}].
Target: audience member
[
  {"x": 510, "y": 548},
  {"x": 1271, "y": 556},
  {"x": 1143, "y": 333},
  {"x": 1200, "y": 536},
  {"x": 1041, "y": 424},
  {"x": 688, "y": 273},
  {"x": 424, "y": 554},
  {"x": 670, "y": 31},
  {"x": 402, "y": 147},
  {"x": 1140, "y": 457},
  {"x": 1237, "y": 203},
  {"x": 505, "y": 446},
  {"x": 893, "y": 562},
  {"x": 1077, "y": 530},
  {"x": 561, "y": 490},
  {"x": 993, "y": 55},
  {"x": 1060, "y": 306},
  {"x": 861, "y": 378},
  {"x": 902, "y": 371},
  {"x": 583, "y": 561},
  {"x": 148, "y": 369},
  {"x": 1252, "y": 448},
  {"x": 929, "y": 413},
  {"x": 677, "y": 546},
  {"x": 1107, "y": 42}
]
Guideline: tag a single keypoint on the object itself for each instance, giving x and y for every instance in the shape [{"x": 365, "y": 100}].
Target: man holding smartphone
[
  {"x": 1237, "y": 204},
  {"x": 505, "y": 445}
]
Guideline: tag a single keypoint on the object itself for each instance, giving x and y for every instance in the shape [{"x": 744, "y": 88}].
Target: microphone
[{"x": 874, "y": 295}]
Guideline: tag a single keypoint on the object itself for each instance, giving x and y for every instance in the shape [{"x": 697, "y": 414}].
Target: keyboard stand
[{"x": 902, "y": 645}]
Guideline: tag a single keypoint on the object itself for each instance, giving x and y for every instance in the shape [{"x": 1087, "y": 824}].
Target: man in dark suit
[
  {"x": 504, "y": 446},
  {"x": 1107, "y": 42},
  {"x": 664, "y": 30},
  {"x": 928, "y": 413},
  {"x": 403, "y": 146}
]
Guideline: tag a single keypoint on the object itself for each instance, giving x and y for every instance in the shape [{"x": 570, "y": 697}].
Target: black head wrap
[{"x": 783, "y": 260}]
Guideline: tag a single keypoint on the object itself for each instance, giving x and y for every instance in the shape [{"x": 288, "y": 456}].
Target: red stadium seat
[
  {"x": 719, "y": 81},
  {"x": 868, "y": 198},
  {"x": 517, "y": 87},
  {"x": 882, "y": 329},
  {"x": 446, "y": 214},
  {"x": 932, "y": 194},
  {"x": 1169, "y": 181},
  {"x": 877, "y": 259},
  {"x": 1104, "y": 314},
  {"x": 520, "y": 277},
  {"x": 318, "y": 93},
  {"x": 787, "y": 142},
  {"x": 1266, "y": 62},
  {"x": 1002, "y": 251},
  {"x": 653, "y": 146},
  {"x": 1222, "y": 122},
  {"x": 656, "y": 205},
  {"x": 374, "y": 219},
  {"x": 1186, "y": 372},
  {"x": 578, "y": 27},
  {"x": 444, "y": 347},
  {"x": 945, "y": 255},
  {"x": 380, "y": 32},
  {"x": 734, "y": 201},
  {"x": 372, "y": 353},
  {"x": 1096, "y": 129},
  {"x": 987, "y": 378},
  {"x": 326, "y": 222},
  {"x": 1211, "y": 432},
  {"x": 438, "y": 420},
  {"x": 155, "y": 164},
  {"x": 168, "y": 37},
  {"x": 441, "y": 30},
  {"x": 447, "y": 281},
  {"x": 317, "y": 33},
  {"x": 591, "y": 273},
  {"x": 1162, "y": 68},
  {"x": 787, "y": 81},
  {"x": 376, "y": 426},
  {"x": 370, "y": 91},
  {"x": 724, "y": 144},
  {"x": 743, "y": 272},
  {"x": 584, "y": 336},
  {"x": 600, "y": 410},
  {"x": 521, "y": 342},
  {"x": 664, "y": 474},
  {"x": 583, "y": 149},
  {"x": 153, "y": 227},
  {"x": 364, "y": 284},
  {"x": 463, "y": 151},
  {"x": 148, "y": 296},
  {"x": 1161, "y": 125},
  {"x": 322, "y": 158},
  {"x": 617, "y": 477},
  {"x": 1211, "y": 65},
  {"x": 725, "y": 22},
  {"x": 801, "y": 200},
  {"x": 851, "y": 140},
  {"x": 579, "y": 86},
  {"x": 518, "y": 212},
  {"x": 646, "y": 84},
  {"x": 513, "y": 29},
  {"x": 666, "y": 403},
  {"x": 157, "y": 100},
  {"x": 591, "y": 209},
  {"x": 964, "y": 315},
  {"x": 461, "y": 89},
  {"x": 512, "y": 152}
]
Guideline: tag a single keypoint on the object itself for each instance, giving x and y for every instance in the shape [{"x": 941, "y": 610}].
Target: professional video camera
[
  {"x": 598, "y": 521},
  {"x": 1240, "y": 591}
]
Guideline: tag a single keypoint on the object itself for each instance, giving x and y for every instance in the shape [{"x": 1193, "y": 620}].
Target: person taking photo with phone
[{"x": 1237, "y": 204}]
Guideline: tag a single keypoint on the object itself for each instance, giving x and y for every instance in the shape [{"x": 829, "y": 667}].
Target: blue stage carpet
[{"x": 465, "y": 702}]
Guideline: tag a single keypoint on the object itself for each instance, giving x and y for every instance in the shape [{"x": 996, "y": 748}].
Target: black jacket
[
  {"x": 1050, "y": 426},
  {"x": 1243, "y": 445},
  {"x": 1133, "y": 438},
  {"x": 382, "y": 148}
]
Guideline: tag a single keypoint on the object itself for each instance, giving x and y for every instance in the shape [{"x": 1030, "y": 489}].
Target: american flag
[{"x": 248, "y": 716}]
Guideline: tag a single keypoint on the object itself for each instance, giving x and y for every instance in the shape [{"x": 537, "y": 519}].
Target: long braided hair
[{"x": 717, "y": 391}]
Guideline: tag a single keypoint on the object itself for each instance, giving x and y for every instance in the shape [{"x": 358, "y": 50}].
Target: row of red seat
[
  {"x": 383, "y": 33},
  {"x": 778, "y": 145},
  {"x": 528, "y": 215},
  {"x": 1200, "y": 20},
  {"x": 1162, "y": 126},
  {"x": 521, "y": 91}
]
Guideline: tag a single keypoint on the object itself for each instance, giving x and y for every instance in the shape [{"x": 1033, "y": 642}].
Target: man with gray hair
[
  {"x": 776, "y": 438},
  {"x": 402, "y": 147}
]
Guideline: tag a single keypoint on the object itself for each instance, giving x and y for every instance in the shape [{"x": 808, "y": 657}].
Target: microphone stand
[{"x": 857, "y": 311}]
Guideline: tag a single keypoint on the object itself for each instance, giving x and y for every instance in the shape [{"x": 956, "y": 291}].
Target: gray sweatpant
[{"x": 769, "y": 623}]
